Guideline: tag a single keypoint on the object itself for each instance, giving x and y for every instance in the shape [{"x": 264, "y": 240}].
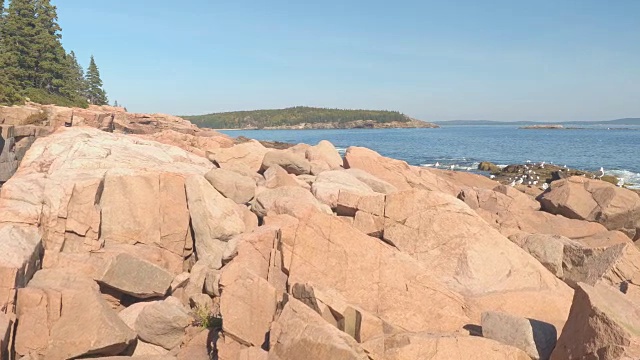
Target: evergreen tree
[
  {"x": 8, "y": 82},
  {"x": 96, "y": 94},
  {"x": 18, "y": 31},
  {"x": 50, "y": 58},
  {"x": 75, "y": 86}
]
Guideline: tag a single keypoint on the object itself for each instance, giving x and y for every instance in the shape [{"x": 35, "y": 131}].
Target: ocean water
[{"x": 616, "y": 149}]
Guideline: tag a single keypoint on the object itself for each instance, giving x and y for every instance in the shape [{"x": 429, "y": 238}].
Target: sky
[{"x": 544, "y": 60}]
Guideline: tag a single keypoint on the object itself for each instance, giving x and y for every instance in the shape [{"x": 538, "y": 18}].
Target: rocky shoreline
[
  {"x": 359, "y": 124},
  {"x": 544, "y": 126},
  {"x": 140, "y": 236}
]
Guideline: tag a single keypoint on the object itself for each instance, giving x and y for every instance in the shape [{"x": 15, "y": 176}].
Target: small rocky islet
[{"x": 142, "y": 236}]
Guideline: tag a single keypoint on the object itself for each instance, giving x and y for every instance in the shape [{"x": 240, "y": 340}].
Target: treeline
[
  {"x": 291, "y": 116},
  {"x": 34, "y": 64}
]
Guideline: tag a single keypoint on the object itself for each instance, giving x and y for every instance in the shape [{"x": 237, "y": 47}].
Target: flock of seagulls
[{"x": 530, "y": 177}]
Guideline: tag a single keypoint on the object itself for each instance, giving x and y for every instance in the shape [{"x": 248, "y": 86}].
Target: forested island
[
  {"x": 302, "y": 117},
  {"x": 34, "y": 65}
]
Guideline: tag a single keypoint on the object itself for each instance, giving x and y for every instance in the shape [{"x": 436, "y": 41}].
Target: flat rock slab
[
  {"x": 87, "y": 326},
  {"x": 137, "y": 277},
  {"x": 536, "y": 338}
]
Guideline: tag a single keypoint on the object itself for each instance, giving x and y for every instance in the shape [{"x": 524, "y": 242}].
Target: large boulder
[
  {"x": 21, "y": 249},
  {"x": 376, "y": 184},
  {"x": 536, "y": 338},
  {"x": 330, "y": 183},
  {"x": 136, "y": 277},
  {"x": 83, "y": 189},
  {"x": 548, "y": 249},
  {"x": 445, "y": 347},
  {"x": 198, "y": 145},
  {"x": 602, "y": 324},
  {"x": 617, "y": 265},
  {"x": 323, "y": 157},
  {"x": 18, "y": 115},
  {"x": 299, "y": 329},
  {"x": 214, "y": 218},
  {"x": 129, "y": 205},
  {"x": 163, "y": 323},
  {"x": 290, "y": 161},
  {"x": 539, "y": 222},
  {"x": 595, "y": 200},
  {"x": 395, "y": 172},
  {"x": 465, "y": 179},
  {"x": 249, "y": 154},
  {"x": 499, "y": 199},
  {"x": 472, "y": 258},
  {"x": 232, "y": 185},
  {"x": 87, "y": 326},
  {"x": 371, "y": 275},
  {"x": 291, "y": 200},
  {"x": 248, "y": 305},
  {"x": 275, "y": 176}
]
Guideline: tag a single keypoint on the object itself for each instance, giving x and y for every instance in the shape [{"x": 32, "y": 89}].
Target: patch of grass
[
  {"x": 205, "y": 319},
  {"x": 44, "y": 97},
  {"x": 36, "y": 119}
]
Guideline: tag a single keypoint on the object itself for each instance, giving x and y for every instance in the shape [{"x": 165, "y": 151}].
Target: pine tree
[
  {"x": 8, "y": 84},
  {"x": 18, "y": 57},
  {"x": 50, "y": 58},
  {"x": 75, "y": 85},
  {"x": 96, "y": 94}
]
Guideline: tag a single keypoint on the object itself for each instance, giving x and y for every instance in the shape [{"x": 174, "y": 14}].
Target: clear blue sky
[{"x": 434, "y": 60}]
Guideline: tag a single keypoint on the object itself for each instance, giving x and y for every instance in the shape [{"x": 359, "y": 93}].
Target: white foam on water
[{"x": 632, "y": 179}]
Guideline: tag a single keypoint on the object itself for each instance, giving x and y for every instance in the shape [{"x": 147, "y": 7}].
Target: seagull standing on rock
[
  {"x": 620, "y": 182},
  {"x": 601, "y": 172},
  {"x": 545, "y": 186},
  {"x": 437, "y": 164},
  {"x": 453, "y": 167}
]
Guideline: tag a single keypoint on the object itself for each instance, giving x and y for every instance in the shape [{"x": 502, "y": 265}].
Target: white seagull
[
  {"x": 492, "y": 177},
  {"x": 513, "y": 183},
  {"x": 545, "y": 186},
  {"x": 601, "y": 171},
  {"x": 620, "y": 182},
  {"x": 453, "y": 167},
  {"x": 437, "y": 164},
  {"x": 520, "y": 181}
]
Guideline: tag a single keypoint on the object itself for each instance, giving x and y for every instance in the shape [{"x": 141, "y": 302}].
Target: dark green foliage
[
  {"x": 44, "y": 97},
  {"x": 75, "y": 84},
  {"x": 291, "y": 116},
  {"x": 18, "y": 58},
  {"x": 33, "y": 63},
  {"x": 95, "y": 93}
]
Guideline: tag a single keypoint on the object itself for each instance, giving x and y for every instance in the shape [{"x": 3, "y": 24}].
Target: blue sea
[{"x": 616, "y": 149}]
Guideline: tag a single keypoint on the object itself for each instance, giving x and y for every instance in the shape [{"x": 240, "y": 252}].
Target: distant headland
[
  {"x": 302, "y": 117},
  {"x": 625, "y": 121}
]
